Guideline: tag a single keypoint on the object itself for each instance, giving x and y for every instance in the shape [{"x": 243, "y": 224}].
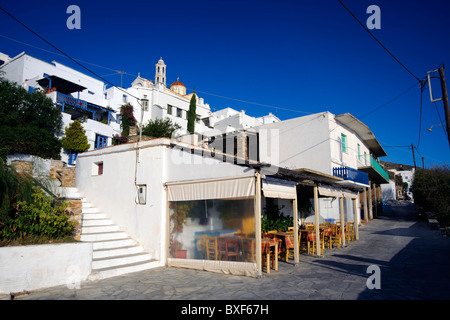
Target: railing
[
  {"x": 378, "y": 168},
  {"x": 71, "y": 101},
  {"x": 351, "y": 174}
]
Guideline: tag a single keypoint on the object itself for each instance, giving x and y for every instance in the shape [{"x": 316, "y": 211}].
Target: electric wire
[
  {"x": 65, "y": 54},
  {"x": 379, "y": 42}
]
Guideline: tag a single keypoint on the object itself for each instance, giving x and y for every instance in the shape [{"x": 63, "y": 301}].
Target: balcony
[
  {"x": 351, "y": 175},
  {"x": 81, "y": 109},
  {"x": 376, "y": 172}
]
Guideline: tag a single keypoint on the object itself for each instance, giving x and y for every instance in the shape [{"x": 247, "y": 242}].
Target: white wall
[
  {"x": 299, "y": 143},
  {"x": 41, "y": 266},
  {"x": 114, "y": 192}
]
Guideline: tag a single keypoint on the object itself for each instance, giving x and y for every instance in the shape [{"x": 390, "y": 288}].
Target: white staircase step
[
  {"x": 114, "y": 252},
  {"x": 85, "y": 204},
  {"x": 96, "y": 222},
  {"x": 112, "y": 244},
  {"x": 115, "y": 235},
  {"x": 99, "y": 229},
  {"x": 90, "y": 216},
  {"x": 90, "y": 210},
  {"x": 117, "y": 271},
  {"x": 108, "y": 262}
]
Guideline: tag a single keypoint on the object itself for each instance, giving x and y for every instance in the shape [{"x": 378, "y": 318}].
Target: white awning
[
  {"x": 218, "y": 188},
  {"x": 329, "y": 191},
  {"x": 276, "y": 188},
  {"x": 349, "y": 194}
]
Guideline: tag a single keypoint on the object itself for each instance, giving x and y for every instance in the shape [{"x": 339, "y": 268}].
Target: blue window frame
[{"x": 101, "y": 141}]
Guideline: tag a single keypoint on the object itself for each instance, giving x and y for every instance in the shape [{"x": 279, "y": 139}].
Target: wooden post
[
  {"x": 355, "y": 211},
  {"x": 445, "y": 101},
  {"x": 370, "y": 201},
  {"x": 295, "y": 213},
  {"x": 341, "y": 201},
  {"x": 316, "y": 216},
  {"x": 257, "y": 208},
  {"x": 366, "y": 212}
]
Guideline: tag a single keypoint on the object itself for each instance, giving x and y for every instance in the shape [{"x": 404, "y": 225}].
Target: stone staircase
[{"x": 114, "y": 252}]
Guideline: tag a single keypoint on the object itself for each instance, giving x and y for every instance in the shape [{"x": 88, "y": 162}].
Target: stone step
[
  {"x": 89, "y": 210},
  {"x": 111, "y": 244},
  {"x": 124, "y": 269},
  {"x": 114, "y": 252},
  {"x": 116, "y": 261},
  {"x": 96, "y": 222},
  {"x": 115, "y": 235},
  {"x": 94, "y": 216},
  {"x": 99, "y": 229}
]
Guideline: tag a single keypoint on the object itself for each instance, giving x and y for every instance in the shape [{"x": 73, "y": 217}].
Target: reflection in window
[{"x": 213, "y": 230}]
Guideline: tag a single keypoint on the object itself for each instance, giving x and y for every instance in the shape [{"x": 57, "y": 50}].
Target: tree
[
  {"x": 160, "y": 128},
  {"x": 128, "y": 120},
  {"x": 28, "y": 122},
  {"x": 431, "y": 189},
  {"x": 192, "y": 116},
  {"x": 75, "y": 139}
]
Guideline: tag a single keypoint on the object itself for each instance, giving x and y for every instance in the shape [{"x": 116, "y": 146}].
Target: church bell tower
[{"x": 160, "y": 76}]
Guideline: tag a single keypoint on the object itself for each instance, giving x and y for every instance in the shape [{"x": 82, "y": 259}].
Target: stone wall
[{"x": 60, "y": 175}]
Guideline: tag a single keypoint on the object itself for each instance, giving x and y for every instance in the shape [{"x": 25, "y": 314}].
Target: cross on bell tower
[{"x": 160, "y": 76}]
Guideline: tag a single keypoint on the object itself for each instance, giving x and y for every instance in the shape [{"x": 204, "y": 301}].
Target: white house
[
  {"x": 79, "y": 96},
  {"x": 335, "y": 145}
]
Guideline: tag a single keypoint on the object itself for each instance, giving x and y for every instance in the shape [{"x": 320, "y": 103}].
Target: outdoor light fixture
[{"x": 434, "y": 125}]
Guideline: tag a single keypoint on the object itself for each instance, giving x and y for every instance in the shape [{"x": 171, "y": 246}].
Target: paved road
[{"x": 413, "y": 260}]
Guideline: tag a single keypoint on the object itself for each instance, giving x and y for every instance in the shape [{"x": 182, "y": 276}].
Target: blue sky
[{"x": 290, "y": 58}]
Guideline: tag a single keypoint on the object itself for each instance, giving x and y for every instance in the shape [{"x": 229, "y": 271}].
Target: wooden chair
[
  {"x": 233, "y": 248},
  {"x": 211, "y": 248},
  {"x": 312, "y": 243},
  {"x": 309, "y": 226},
  {"x": 336, "y": 236},
  {"x": 248, "y": 249},
  {"x": 327, "y": 236},
  {"x": 350, "y": 231},
  {"x": 221, "y": 248},
  {"x": 302, "y": 241},
  {"x": 201, "y": 245}
]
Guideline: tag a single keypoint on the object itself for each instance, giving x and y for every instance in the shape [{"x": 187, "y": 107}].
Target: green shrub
[
  {"x": 75, "y": 139},
  {"x": 43, "y": 217},
  {"x": 274, "y": 219},
  {"x": 431, "y": 189}
]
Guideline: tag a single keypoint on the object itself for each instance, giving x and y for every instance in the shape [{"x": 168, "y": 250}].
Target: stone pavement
[{"x": 413, "y": 260}]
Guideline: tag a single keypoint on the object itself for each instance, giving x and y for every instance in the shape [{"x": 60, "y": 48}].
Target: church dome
[
  {"x": 177, "y": 83},
  {"x": 178, "y": 87}
]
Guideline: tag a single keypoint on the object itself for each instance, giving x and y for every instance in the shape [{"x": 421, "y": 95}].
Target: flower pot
[{"x": 180, "y": 254}]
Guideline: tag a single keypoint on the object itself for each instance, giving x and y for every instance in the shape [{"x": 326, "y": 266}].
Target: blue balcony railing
[{"x": 351, "y": 174}]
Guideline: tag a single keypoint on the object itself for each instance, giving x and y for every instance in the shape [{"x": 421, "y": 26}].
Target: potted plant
[
  {"x": 175, "y": 249},
  {"x": 74, "y": 140}
]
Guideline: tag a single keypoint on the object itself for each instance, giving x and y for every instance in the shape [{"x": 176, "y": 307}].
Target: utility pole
[
  {"x": 445, "y": 100},
  {"x": 414, "y": 157}
]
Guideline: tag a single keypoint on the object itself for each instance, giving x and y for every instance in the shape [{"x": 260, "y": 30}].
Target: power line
[
  {"x": 365, "y": 28},
  {"x": 81, "y": 65},
  {"x": 61, "y": 55},
  {"x": 390, "y": 101}
]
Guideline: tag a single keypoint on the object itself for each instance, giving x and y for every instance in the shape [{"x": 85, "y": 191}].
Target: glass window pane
[{"x": 214, "y": 229}]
